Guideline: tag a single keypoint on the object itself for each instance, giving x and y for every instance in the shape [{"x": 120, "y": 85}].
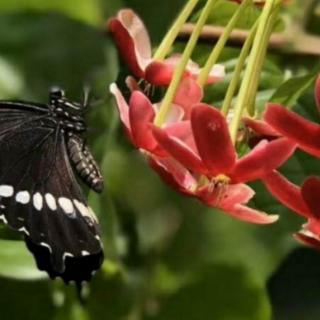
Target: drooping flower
[
  {"x": 138, "y": 115},
  {"x": 133, "y": 42},
  {"x": 302, "y": 200},
  {"x": 205, "y": 163},
  {"x": 295, "y": 127}
]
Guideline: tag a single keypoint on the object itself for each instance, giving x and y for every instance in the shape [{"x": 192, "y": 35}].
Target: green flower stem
[
  {"x": 173, "y": 32},
  {"x": 247, "y": 83},
  {"x": 261, "y": 59},
  {"x": 204, "y": 74},
  {"x": 177, "y": 76},
  {"x": 238, "y": 69}
]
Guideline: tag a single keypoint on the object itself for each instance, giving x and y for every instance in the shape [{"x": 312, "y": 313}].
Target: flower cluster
[
  {"x": 194, "y": 146},
  {"x": 277, "y": 122}
]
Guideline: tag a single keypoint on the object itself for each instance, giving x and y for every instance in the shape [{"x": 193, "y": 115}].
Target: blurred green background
[{"x": 167, "y": 257}]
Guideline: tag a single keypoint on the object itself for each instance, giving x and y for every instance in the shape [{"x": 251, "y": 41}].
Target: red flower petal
[
  {"x": 132, "y": 40},
  {"x": 160, "y": 73},
  {"x": 174, "y": 174},
  {"x": 188, "y": 94},
  {"x": 310, "y": 192},
  {"x": 308, "y": 238},
  {"x": 232, "y": 199},
  {"x": 141, "y": 115},
  {"x": 122, "y": 106},
  {"x": 317, "y": 92},
  {"x": 212, "y": 138},
  {"x": 260, "y": 127},
  {"x": 179, "y": 150},
  {"x": 286, "y": 192},
  {"x": 293, "y": 126},
  {"x": 265, "y": 157}
]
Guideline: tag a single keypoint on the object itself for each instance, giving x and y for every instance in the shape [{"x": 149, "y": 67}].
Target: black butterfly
[{"x": 41, "y": 146}]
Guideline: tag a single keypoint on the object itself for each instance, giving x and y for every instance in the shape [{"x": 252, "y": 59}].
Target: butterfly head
[{"x": 70, "y": 113}]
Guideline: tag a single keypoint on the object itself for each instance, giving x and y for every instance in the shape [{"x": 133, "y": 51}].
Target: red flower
[
  {"x": 302, "y": 200},
  {"x": 207, "y": 167},
  {"x": 138, "y": 116},
  {"x": 293, "y": 126},
  {"x": 133, "y": 42}
]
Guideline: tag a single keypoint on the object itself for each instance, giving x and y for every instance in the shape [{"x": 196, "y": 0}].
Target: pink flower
[
  {"x": 133, "y": 42},
  {"x": 296, "y": 128},
  {"x": 138, "y": 115},
  {"x": 204, "y": 163},
  {"x": 302, "y": 200}
]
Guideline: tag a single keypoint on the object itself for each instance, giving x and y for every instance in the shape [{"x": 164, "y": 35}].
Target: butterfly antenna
[{"x": 86, "y": 96}]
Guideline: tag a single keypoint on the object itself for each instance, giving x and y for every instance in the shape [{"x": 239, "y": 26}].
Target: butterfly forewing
[{"x": 40, "y": 196}]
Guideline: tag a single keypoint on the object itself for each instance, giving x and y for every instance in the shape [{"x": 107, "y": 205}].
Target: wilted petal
[
  {"x": 212, "y": 138},
  {"x": 311, "y": 193},
  {"x": 317, "y": 92},
  {"x": 286, "y": 192},
  {"x": 265, "y": 157},
  {"x": 293, "y": 126},
  {"x": 174, "y": 174},
  {"x": 179, "y": 150},
  {"x": 141, "y": 115},
  {"x": 132, "y": 40},
  {"x": 122, "y": 106}
]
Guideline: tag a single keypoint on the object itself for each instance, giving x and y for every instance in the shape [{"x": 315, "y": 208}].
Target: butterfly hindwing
[{"x": 40, "y": 196}]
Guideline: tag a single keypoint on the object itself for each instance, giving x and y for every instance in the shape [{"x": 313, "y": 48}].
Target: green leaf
[
  {"x": 17, "y": 262},
  {"x": 25, "y": 300},
  {"x": 289, "y": 92},
  {"x": 217, "y": 292},
  {"x": 88, "y": 11}
]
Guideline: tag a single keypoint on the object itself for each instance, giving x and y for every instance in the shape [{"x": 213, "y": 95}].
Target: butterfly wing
[{"x": 40, "y": 196}]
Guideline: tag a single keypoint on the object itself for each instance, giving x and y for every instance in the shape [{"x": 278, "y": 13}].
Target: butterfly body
[{"x": 41, "y": 146}]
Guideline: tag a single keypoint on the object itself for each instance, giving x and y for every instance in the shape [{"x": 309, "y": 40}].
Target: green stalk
[
  {"x": 178, "y": 73},
  {"x": 247, "y": 83},
  {"x": 173, "y": 32},
  {"x": 260, "y": 61},
  {"x": 204, "y": 74},
  {"x": 237, "y": 72}
]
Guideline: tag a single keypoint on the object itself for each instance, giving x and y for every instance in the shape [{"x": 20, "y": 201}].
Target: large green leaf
[
  {"x": 25, "y": 300},
  {"x": 290, "y": 91},
  {"x": 17, "y": 262},
  {"x": 88, "y": 11}
]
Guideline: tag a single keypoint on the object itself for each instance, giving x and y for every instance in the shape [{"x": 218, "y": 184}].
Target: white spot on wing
[
  {"x": 38, "y": 201},
  {"x": 3, "y": 218},
  {"x": 46, "y": 245},
  {"x": 23, "y": 197},
  {"x": 84, "y": 210},
  {"x": 66, "y": 205},
  {"x": 6, "y": 191},
  {"x": 51, "y": 201},
  {"x": 23, "y": 229},
  {"x": 85, "y": 253},
  {"x": 67, "y": 254}
]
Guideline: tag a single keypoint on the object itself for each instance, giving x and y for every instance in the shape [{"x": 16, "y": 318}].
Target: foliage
[{"x": 167, "y": 257}]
